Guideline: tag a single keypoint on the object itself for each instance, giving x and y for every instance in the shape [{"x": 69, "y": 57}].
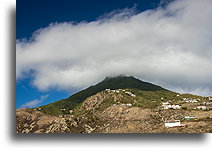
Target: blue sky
[
  {"x": 35, "y": 14},
  {"x": 63, "y": 46}
]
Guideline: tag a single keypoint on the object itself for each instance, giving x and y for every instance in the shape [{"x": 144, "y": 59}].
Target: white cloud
[
  {"x": 168, "y": 46},
  {"x": 35, "y": 102}
]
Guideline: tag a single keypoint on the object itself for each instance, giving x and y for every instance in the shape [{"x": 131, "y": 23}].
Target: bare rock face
[
  {"x": 123, "y": 112},
  {"x": 58, "y": 126},
  {"x": 112, "y": 112},
  {"x": 30, "y": 121},
  {"x": 94, "y": 101},
  {"x": 136, "y": 113}
]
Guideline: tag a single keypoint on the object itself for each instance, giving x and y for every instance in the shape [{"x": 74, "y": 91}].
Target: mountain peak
[
  {"x": 122, "y": 81},
  {"x": 117, "y": 82},
  {"x": 117, "y": 77}
]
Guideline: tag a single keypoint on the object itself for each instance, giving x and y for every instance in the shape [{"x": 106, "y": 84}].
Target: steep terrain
[
  {"x": 31, "y": 121},
  {"x": 120, "y": 111},
  {"x": 119, "y": 82}
]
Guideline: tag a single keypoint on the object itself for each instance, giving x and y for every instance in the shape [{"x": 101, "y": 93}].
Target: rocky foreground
[{"x": 113, "y": 112}]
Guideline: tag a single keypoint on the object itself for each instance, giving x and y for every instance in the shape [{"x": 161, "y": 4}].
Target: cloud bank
[
  {"x": 169, "y": 46},
  {"x": 35, "y": 102}
]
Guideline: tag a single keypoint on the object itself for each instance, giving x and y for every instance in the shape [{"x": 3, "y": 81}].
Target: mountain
[
  {"x": 118, "y": 82},
  {"x": 122, "y": 111}
]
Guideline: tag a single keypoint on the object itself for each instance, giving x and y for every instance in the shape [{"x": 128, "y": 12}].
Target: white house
[
  {"x": 165, "y": 103},
  {"x": 113, "y": 90},
  {"x": 188, "y": 117},
  {"x": 70, "y": 111},
  {"x": 190, "y": 100},
  {"x": 130, "y": 94},
  {"x": 133, "y": 95},
  {"x": 193, "y": 101},
  {"x": 201, "y": 107},
  {"x": 176, "y": 106},
  {"x": 172, "y": 123},
  {"x": 128, "y": 104},
  {"x": 171, "y": 106},
  {"x": 108, "y": 90}
]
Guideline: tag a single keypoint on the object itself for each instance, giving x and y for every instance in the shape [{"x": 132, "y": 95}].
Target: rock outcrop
[
  {"x": 113, "y": 112},
  {"x": 31, "y": 121}
]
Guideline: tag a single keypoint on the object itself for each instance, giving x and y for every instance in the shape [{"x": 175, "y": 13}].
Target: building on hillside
[
  {"x": 190, "y": 100},
  {"x": 128, "y": 104},
  {"x": 207, "y": 103},
  {"x": 188, "y": 117},
  {"x": 171, "y": 106},
  {"x": 202, "y": 107},
  {"x": 165, "y": 103},
  {"x": 194, "y": 101},
  {"x": 172, "y": 123},
  {"x": 108, "y": 90},
  {"x": 70, "y": 111},
  {"x": 130, "y": 94}
]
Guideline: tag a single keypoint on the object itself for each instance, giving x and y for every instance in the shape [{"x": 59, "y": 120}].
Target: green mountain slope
[{"x": 119, "y": 82}]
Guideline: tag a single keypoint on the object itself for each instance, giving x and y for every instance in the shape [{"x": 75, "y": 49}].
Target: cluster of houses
[
  {"x": 119, "y": 90},
  {"x": 114, "y": 91},
  {"x": 172, "y": 107},
  {"x": 128, "y": 104},
  {"x": 177, "y": 123},
  {"x": 166, "y": 105},
  {"x": 190, "y": 100},
  {"x": 203, "y": 106}
]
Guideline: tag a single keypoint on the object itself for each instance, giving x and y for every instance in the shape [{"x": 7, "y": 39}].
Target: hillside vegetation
[
  {"x": 120, "y": 105},
  {"x": 119, "y": 82}
]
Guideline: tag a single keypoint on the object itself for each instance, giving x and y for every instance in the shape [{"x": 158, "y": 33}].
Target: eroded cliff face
[
  {"x": 31, "y": 121},
  {"x": 111, "y": 112}
]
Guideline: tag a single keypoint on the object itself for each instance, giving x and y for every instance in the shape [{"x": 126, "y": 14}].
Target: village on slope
[
  {"x": 197, "y": 108},
  {"x": 124, "y": 111}
]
